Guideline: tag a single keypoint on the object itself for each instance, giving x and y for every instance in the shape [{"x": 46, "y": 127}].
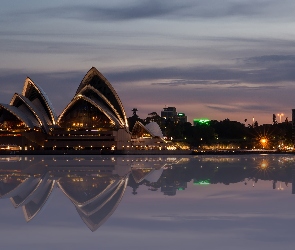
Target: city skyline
[{"x": 233, "y": 59}]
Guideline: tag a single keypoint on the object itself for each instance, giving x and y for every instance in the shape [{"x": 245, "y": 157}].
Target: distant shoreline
[{"x": 142, "y": 152}]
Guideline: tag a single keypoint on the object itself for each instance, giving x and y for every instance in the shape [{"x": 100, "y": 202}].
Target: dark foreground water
[{"x": 151, "y": 202}]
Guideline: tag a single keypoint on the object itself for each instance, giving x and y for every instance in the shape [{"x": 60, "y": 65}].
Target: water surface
[{"x": 128, "y": 202}]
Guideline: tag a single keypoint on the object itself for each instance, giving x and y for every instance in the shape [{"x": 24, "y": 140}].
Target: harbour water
[{"x": 144, "y": 202}]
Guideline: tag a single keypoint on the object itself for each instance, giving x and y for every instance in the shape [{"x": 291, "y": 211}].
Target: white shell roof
[
  {"x": 49, "y": 107},
  {"x": 105, "y": 111},
  {"x": 102, "y": 101},
  {"x": 154, "y": 128},
  {"x": 38, "y": 115},
  {"x": 19, "y": 114},
  {"x": 117, "y": 102}
]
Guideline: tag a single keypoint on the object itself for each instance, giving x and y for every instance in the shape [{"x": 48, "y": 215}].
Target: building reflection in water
[{"x": 96, "y": 185}]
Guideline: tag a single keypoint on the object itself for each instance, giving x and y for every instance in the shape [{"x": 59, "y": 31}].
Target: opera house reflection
[{"x": 96, "y": 185}]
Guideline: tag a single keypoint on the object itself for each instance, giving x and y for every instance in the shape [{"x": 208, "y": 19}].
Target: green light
[
  {"x": 180, "y": 114},
  {"x": 202, "y": 182},
  {"x": 180, "y": 189},
  {"x": 201, "y": 121}
]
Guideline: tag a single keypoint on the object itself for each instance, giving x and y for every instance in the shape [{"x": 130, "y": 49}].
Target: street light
[
  {"x": 280, "y": 188},
  {"x": 263, "y": 142},
  {"x": 280, "y": 115}
]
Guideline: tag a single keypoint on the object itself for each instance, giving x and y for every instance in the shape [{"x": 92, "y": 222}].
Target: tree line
[{"x": 222, "y": 133}]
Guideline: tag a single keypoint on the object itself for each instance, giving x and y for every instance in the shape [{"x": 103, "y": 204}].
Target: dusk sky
[{"x": 216, "y": 59}]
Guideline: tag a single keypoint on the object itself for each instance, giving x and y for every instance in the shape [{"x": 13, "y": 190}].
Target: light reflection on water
[{"x": 170, "y": 189}]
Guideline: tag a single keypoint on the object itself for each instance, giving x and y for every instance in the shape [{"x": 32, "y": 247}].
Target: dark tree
[{"x": 274, "y": 119}]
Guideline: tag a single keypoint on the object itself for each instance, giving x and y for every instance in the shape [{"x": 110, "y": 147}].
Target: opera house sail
[
  {"x": 148, "y": 136},
  {"x": 94, "y": 119}
]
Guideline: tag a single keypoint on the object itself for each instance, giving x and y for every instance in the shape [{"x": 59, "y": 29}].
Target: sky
[{"x": 210, "y": 59}]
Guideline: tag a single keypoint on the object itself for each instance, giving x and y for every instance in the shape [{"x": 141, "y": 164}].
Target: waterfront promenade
[{"x": 142, "y": 152}]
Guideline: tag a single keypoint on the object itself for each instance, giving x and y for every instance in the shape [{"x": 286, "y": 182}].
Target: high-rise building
[
  {"x": 181, "y": 117},
  {"x": 293, "y": 126},
  {"x": 169, "y": 113}
]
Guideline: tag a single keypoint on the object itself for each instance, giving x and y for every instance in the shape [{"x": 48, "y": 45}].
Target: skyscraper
[{"x": 169, "y": 113}]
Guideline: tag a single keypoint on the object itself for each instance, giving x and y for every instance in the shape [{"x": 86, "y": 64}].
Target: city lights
[{"x": 263, "y": 142}]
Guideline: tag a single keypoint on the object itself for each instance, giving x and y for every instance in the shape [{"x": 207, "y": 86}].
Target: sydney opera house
[{"x": 94, "y": 119}]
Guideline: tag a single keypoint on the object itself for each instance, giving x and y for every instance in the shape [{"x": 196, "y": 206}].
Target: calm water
[{"x": 202, "y": 202}]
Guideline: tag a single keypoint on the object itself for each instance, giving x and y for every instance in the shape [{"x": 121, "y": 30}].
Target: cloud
[
  {"x": 237, "y": 108},
  {"x": 205, "y": 83},
  {"x": 244, "y": 74},
  {"x": 288, "y": 60},
  {"x": 178, "y": 75},
  {"x": 164, "y": 9},
  {"x": 45, "y": 47},
  {"x": 100, "y": 12}
]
